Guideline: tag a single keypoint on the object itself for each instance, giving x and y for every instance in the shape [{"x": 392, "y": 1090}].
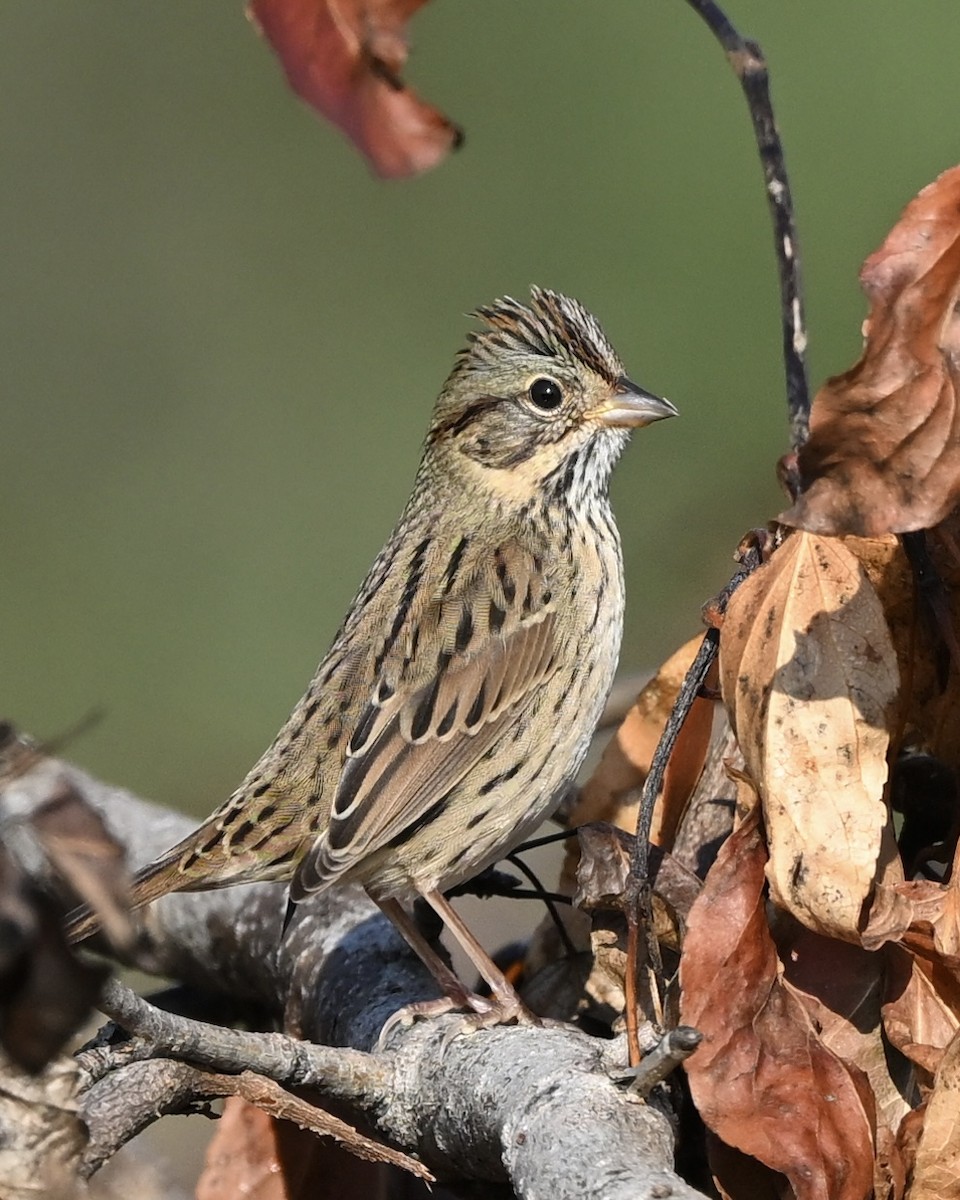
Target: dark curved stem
[
  {"x": 750, "y": 66},
  {"x": 550, "y": 899},
  {"x": 637, "y": 892}
]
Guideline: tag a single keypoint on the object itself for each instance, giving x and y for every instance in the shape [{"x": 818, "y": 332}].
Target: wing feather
[{"x": 468, "y": 669}]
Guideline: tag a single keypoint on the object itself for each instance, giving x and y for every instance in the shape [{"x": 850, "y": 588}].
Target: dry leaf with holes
[
  {"x": 344, "y": 58},
  {"x": 884, "y": 449},
  {"x": 762, "y": 1079},
  {"x": 809, "y": 676}
]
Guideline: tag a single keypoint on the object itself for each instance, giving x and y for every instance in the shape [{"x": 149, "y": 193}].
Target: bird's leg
[
  {"x": 507, "y": 1004},
  {"x": 456, "y": 995},
  {"x": 406, "y": 925}
]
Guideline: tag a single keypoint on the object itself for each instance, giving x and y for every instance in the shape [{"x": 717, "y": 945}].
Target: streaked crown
[{"x": 554, "y": 326}]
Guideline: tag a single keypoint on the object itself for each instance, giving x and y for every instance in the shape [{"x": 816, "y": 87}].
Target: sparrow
[{"x": 462, "y": 690}]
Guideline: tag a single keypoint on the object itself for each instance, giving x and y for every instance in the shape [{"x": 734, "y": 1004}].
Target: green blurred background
[{"x": 221, "y": 337}]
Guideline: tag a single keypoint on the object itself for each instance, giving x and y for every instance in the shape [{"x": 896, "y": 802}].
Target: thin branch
[
  {"x": 341, "y": 1073},
  {"x": 135, "y": 1095},
  {"x": 750, "y": 67},
  {"x": 673, "y": 1048},
  {"x": 550, "y": 900}
]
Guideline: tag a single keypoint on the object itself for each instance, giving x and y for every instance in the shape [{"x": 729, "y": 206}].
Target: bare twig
[
  {"x": 638, "y": 890},
  {"x": 748, "y": 62},
  {"x": 673, "y": 1048},
  {"x": 340, "y": 1073}
]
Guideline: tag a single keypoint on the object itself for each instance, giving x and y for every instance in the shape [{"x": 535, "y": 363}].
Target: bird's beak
[{"x": 630, "y": 406}]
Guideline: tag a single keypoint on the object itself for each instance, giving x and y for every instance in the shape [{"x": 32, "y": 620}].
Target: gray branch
[{"x": 533, "y": 1107}]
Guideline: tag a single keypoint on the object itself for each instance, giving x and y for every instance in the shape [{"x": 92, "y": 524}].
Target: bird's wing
[{"x": 467, "y": 670}]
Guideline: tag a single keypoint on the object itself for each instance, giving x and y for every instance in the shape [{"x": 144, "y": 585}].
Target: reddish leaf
[
  {"x": 344, "y": 58},
  {"x": 884, "y": 451},
  {"x": 762, "y": 1079}
]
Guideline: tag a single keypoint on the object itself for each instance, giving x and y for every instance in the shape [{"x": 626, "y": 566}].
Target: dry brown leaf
[
  {"x": 344, "y": 57},
  {"x": 937, "y": 1171},
  {"x": 929, "y": 714},
  {"x": 260, "y": 1157},
  {"x": 267, "y": 1148},
  {"x": 739, "y": 1177},
  {"x": 921, "y": 1006},
  {"x": 762, "y": 1079},
  {"x": 920, "y": 913},
  {"x": 809, "y": 676},
  {"x": 610, "y": 794},
  {"x": 841, "y": 987},
  {"x": 884, "y": 450}
]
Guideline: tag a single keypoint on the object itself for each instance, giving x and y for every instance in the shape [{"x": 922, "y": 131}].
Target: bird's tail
[{"x": 203, "y": 861}]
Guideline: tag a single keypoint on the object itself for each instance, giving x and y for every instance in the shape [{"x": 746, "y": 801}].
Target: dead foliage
[
  {"x": 884, "y": 451},
  {"x": 820, "y": 957},
  {"x": 344, "y": 58}
]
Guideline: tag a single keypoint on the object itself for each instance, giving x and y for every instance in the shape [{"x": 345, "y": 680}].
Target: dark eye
[{"x": 546, "y": 394}]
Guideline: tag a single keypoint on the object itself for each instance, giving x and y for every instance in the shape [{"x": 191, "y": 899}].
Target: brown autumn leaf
[
  {"x": 841, "y": 987},
  {"x": 921, "y": 1006},
  {"x": 928, "y": 713},
  {"x": 884, "y": 450},
  {"x": 762, "y": 1079},
  {"x": 936, "y": 1173},
  {"x": 809, "y": 676},
  {"x": 610, "y": 792},
  {"x": 344, "y": 58},
  {"x": 921, "y": 914}
]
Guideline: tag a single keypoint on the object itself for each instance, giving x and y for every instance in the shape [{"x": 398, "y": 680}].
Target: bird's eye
[{"x": 546, "y": 394}]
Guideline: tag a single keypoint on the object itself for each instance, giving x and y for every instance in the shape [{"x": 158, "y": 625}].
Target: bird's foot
[
  {"x": 479, "y": 1006},
  {"x": 508, "y": 1010}
]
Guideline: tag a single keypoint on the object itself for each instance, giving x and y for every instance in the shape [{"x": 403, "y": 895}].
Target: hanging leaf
[{"x": 344, "y": 58}]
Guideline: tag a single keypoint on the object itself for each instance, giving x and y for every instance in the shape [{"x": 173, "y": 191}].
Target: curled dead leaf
[
  {"x": 921, "y": 1006},
  {"x": 809, "y": 676},
  {"x": 884, "y": 449},
  {"x": 344, "y": 57}
]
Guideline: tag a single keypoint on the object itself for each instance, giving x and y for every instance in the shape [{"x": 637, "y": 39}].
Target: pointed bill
[{"x": 630, "y": 407}]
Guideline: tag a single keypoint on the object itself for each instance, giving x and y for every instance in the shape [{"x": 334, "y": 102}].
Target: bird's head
[{"x": 538, "y": 399}]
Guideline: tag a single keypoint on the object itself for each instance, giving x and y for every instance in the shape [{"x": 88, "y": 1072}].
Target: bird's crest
[{"x": 554, "y": 325}]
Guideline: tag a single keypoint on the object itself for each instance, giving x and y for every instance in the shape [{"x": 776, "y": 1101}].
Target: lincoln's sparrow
[{"x": 462, "y": 690}]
